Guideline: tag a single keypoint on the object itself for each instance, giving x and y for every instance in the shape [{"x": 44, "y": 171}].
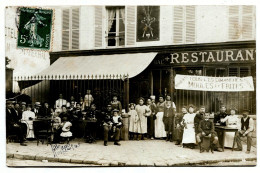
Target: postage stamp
[{"x": 35, "y": 28}]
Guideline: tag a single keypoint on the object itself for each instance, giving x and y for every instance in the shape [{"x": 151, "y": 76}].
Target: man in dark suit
[
  {"x": 45, "y": 111},
  {"x": 13, "y": 124}
]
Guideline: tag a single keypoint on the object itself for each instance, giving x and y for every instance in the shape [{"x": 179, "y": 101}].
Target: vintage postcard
[{"x": 130, "y": 85}]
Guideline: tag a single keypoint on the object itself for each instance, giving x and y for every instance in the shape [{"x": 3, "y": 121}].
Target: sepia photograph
[{"x": 130, "y": 86}]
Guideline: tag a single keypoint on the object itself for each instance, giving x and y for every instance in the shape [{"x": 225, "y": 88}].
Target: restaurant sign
[
  {"x": 207, "y": 57},
  {"x": 204, "y": 83}
]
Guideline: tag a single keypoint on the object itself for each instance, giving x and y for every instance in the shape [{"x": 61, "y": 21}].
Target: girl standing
[
  {"x": 143, "y": 112},
  {"x": 133, "y": 128},
  {"x": 189, "y": 138}
]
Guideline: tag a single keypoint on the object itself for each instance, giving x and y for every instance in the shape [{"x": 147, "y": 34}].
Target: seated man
[
  {"x": 247, "y": 127},
  {"x": 112, "y": 124},
  {"x": 14, "y": 125},
  {"x": 206, "y": 129}
]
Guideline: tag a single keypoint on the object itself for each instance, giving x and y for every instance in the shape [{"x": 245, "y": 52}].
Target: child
[
  {"x": 133, "y": 128},
  {"x": 88, "y": 99},
  {"x": 56, "y": 128},
  {"x": 116, "y": 126},
  {"x": 168, "y": 120},
  {"x": 206, "y": 129},
  {"x": 66, "y": 133}
]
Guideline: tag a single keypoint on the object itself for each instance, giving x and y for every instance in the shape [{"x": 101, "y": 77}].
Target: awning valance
[{"x": 98, "y": 67}]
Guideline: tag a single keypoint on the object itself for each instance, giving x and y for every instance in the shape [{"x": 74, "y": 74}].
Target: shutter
[
  {"x": 75, "y": 29},
  {"x": 244, "y": 71},
  {"x": 98, "y": 26},
  {"x": 190, "y": 24},
  {"x": 130, "y": 19},
  {"x": 247, "y": 22},
  {"x": 234, "y": 28},
  {"x": 65, "y": 29},
  {"x": 233, "y": 72},
  {"x": 178, "y": 24}
]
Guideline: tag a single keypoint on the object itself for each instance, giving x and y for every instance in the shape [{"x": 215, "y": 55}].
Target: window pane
[
  {"x": 121, "y": 39},
  {"x": 121, "y": 25},
  {"x": 111, "y": 39},
  {"x": 112, "y": 26}
]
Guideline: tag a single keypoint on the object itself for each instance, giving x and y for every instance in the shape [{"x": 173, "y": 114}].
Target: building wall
[{"x": 212, "y": 25}]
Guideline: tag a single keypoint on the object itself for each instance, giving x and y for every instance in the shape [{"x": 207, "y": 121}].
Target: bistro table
[{"x": 223, "y": 130}]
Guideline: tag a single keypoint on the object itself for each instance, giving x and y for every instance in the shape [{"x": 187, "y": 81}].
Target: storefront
[
  {"x": 216, "y": 60},
  {"x": 144, "y": 71}
]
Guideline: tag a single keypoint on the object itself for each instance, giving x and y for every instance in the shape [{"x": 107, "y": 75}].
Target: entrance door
[{"x": 160, "y": 82}]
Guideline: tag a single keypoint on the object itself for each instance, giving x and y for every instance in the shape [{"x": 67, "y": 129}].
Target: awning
[{"x": 98, "y": 67}]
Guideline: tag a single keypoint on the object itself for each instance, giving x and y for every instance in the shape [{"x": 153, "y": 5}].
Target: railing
[{"x": 47, "y": 88}]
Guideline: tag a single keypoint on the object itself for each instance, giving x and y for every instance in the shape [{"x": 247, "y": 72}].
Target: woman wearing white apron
[
  {"x": 159, "y": 130},
  {"x": 232, "y": 121},
  {"x": 27, "y": 117},
  {"x": 189, "y": 138}
]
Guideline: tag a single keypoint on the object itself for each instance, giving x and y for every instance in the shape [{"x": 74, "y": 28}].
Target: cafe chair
[{"x": 43, "y": 131}]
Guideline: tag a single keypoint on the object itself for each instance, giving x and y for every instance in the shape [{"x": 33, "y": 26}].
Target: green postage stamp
[{"x": 35, "y": 28}]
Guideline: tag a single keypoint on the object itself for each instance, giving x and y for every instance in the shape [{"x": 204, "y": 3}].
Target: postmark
[{"x": 34, "y": 29}]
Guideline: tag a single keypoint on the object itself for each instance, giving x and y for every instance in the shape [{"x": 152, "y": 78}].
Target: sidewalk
[{"x": 130, "y": 153}]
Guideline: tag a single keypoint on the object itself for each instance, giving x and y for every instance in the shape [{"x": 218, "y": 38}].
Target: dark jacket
[
  {"x": 219, "y": 116},
  {"x": 199, "y": 116},
  {"x": 45, "y": 112},
  {"x": 11, "y": 118},
  {"x": 206, "y": 127}
]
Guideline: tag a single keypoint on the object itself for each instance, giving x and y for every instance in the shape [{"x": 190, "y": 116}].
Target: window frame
[{"x": 117, "y": 27}]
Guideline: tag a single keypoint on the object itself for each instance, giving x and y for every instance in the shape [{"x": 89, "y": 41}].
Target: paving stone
[
  {"x": 9, "y": 155},
  {"x": 76, "y": 161},
  {"x": 18, "y": 156},
  {"x": 64, "y": 160},
  {"x": 29, "y": 157},
  {"x": 52, "y": 159}
]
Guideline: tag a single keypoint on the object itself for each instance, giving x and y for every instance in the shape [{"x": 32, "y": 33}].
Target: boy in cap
[{"x": 246, "y": 129}]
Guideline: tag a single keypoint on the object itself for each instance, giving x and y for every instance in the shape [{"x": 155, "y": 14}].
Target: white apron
[
  {"x": 189, "y": 130},
  {"x": 159, "y": 130}
]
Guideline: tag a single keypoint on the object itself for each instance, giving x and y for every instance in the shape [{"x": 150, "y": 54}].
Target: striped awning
[{"x": 98, "y": 67}]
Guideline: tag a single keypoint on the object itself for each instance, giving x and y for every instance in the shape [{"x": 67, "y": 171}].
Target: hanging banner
[{"x": 204, "y": 83}]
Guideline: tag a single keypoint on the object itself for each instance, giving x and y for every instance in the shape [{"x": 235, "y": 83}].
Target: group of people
[
  {"x": 69, "y": 119},
  {"x": 147, "y": 119},
  {"x": 189, "y": 127}
]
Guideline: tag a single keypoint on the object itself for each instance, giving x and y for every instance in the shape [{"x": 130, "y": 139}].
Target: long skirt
[
  {"x": 189, "y": 134},
  {"x": 229, "y": 137},
  {"x": 159, "y": 130},
  {"x": 30, "y": 131}
]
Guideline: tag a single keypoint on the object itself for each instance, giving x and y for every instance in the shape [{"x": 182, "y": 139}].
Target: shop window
[
  {"x": 115, "y": 26},
  {"x": 70, "y": 29},
  {"x": 184, "y": 24},
  {"x": 241, "y": 22}
]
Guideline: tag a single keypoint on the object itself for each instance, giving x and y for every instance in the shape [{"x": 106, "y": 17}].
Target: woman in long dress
[
  {"x": 27, "y": 117},
  {"x": 232, "y": 121},
  {"x": 143, "y": 112},
  {"x": 159, "y": 129},
  {"x": 189, "y": 138}
]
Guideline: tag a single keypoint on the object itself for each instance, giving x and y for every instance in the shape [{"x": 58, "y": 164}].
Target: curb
[{"x": 115, "y": 163}]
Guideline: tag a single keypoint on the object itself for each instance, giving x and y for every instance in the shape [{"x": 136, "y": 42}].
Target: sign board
[
  {"x": 207, "y": 57},
  {"x": 204, "y": 83}
]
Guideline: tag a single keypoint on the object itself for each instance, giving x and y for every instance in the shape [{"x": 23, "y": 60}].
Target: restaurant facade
[{"x": 116, "y": 50}]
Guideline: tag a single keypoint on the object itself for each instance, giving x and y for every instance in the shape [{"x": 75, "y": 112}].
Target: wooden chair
[{"x": 42, "y": 130}]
